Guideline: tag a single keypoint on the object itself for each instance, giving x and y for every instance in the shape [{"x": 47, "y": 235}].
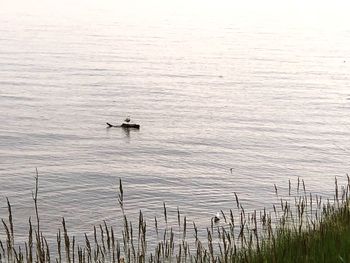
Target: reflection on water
[{"x": 128, "y": 130}]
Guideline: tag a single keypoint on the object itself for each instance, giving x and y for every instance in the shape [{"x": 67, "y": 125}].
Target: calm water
[{"x": 263, "y": 91}]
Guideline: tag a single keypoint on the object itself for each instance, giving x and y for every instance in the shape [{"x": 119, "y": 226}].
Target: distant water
[{"x": 214, "y": 87}]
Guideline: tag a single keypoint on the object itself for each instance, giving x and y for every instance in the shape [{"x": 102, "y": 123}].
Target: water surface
[{"x": 261, "y": 89}]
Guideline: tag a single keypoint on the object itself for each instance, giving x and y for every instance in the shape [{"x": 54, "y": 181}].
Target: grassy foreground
[
  {"x": 302, "y": 229},
  {"x": 326, "y": 241}
]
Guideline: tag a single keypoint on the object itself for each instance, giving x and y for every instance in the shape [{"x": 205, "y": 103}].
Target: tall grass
[{"x": 301, "y": 228}]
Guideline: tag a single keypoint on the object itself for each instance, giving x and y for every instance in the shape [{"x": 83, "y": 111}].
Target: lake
[{"x": 231, "y": 98}]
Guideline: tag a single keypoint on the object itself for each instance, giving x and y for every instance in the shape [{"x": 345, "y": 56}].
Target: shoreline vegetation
[{"x": 303, "y": 228}]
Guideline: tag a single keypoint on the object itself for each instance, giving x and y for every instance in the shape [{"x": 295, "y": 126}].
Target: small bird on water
[
  {"x": 216, "y": 218},
  {"x": 127, "y": 119}
]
